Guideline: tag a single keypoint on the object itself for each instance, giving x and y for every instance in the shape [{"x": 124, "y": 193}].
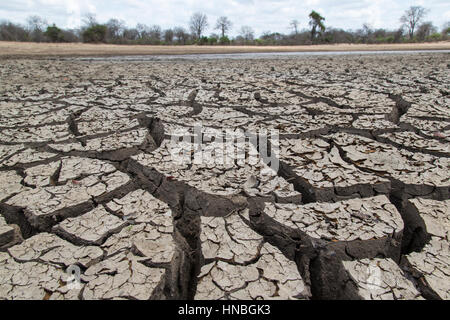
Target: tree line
[{"x": 413, "y": 28}]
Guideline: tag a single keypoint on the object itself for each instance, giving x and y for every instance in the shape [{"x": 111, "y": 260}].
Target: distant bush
[
  {"x": 224, "y": 40},
  {"x": 70, "y": 36},
  {"x": 259, "y": 42},
  {"x": 212, "y": 41},
  {"x": 95, "y": 33},
  {"x": 54, "y": 34},
  {"x": 202, "y": 41},
  {"x": 435, "y": 37},
  {"x": 389, "y": 39}
]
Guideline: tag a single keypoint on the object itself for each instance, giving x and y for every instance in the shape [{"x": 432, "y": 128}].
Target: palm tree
[{"x": 316, "y": 21}]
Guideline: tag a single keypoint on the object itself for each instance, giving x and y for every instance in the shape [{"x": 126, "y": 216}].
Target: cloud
[{"x": 261, "y": 15}]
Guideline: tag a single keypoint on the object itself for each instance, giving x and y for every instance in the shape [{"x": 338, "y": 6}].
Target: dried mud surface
[{"x": 358, "y": 207}]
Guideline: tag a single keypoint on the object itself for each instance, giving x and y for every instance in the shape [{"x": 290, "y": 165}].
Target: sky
[{"x": 261, "y": 15}]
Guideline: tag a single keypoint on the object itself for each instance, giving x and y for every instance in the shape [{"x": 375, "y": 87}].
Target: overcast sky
[{"x": 261, "y": 15}]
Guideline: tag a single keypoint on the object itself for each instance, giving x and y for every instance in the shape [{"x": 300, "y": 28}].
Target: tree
[
  {"x": 425, "y": 30},
  {"x": 36, "y": 27},
  {"x": 181, "y": 35},
  {"x": 132, "y": 34},
  {"x": 96, "y": 33},
  {"x": 294, "y": 26},
  {"x": 70, "y": 35},
  {"x": 115, "y": 29},
  {"x": 54, "y": 34},
  {"x": 224, "y": 40},
  {"x": 89, "y": 20},
  {"x": 247, "y": 33},
  {"x": 446, "y": 29},
  {"x": 224, "y": 25},
  {"x": 212, "y": 40},
  {"x": 142, "y": 30},
  {"x": 398, "y": 35},
  {"x": 198, "y": 24},
  {"x": 271, "y": 37},
  {"x": 13, "y": 32},
  {"x": 168, "y": 36},
  {"x": 412, "y": 18},
  {"x": 316, "y": 21},
  {"x": 154, "y": 34},
  {"x": 367, "y": 32}
]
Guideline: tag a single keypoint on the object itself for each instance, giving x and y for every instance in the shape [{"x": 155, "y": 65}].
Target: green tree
[
  {"x": 212, "y": 40},
  {"x": 224, "y": 40},
  {"x": 54, "y": 34},
  {"x": 202, "y": 40},
  {"x": 95, "y": 33},
  {"x": 316, "y": 22}
]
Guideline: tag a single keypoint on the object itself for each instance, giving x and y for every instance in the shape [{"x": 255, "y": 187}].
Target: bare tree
[
  {"x": 425, "y": 30},
  {"x": 446, "y": 29},
  {"x": 143, "y": 30},
  {"x": 36, "y": 26},
  {"x": 89, "y": 20},
  {"x": 247, "y": 33},
  {"x": 367, "y": 32},
  {"x": 181, "y": 35},
  {"x": 412, "y": 18},
  {"x": 446, "y": 26},
  {"x": 131, "y": 34},
  {"x": 115, "y": 29},
  {"x": 294, "y": 25},
  {"x": 224, "y": 25},
  {"x": 155, "y": 33},
  {"x": 198, "y": 24},
  {"x": 398, "y": 35},
  {"x": 168, "y": 36},
  {"x": 13, "y": 32}
]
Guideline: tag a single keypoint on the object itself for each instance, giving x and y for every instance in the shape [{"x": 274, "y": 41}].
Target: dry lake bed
[{"x": 113, "y": 183}]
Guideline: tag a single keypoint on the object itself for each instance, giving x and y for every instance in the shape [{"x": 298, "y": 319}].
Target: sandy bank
[{"x": 18, "y": 49}]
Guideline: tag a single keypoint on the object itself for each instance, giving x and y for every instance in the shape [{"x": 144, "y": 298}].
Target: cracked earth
[{"x": 358, "y": 207}]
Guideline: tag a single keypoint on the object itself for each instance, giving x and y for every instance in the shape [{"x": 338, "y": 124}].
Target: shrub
[
  {"x": 259, "y": 42},
  {"x": 202, "y": 41},
  {"x": 212, "y": 41},
  {"x": 54, "y": 34},
  {"x": 436, "y": 37},
  {"x": 224, "y": 40},
  {"x": 390, "y": 39},
  {"x": 95, "y": 33}
]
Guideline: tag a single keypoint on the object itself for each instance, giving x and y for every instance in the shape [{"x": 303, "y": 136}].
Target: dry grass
[{"x": 18, "y": 49}]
